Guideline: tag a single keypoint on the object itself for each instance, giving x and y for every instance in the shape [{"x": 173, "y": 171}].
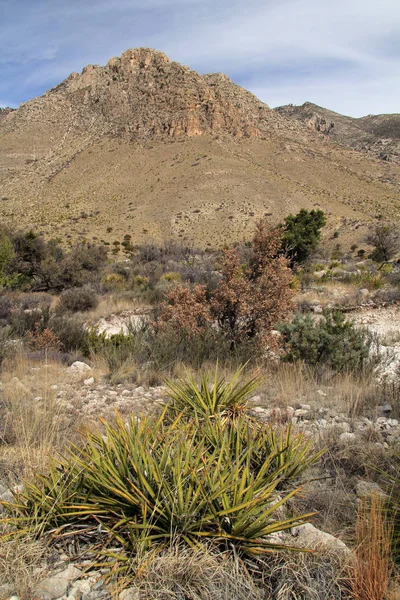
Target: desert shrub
[
  {"x": 146, "y": 350},
  {"x": 43, "y": 265},
  {"x": 43, "y": 339},
  {"x": 5, "y": 308},
  {"x": 71, "y": 332},
  {"x": 332, "y": 341},
  {"x": 25, "y": 321},
  {"x": 153, "y": 481},
  {"x": 302, "y": 233},
  {"x": 386, "y": 242},
  {"x": 5, "y": 336},
  {"x": 8, "y": 276},
  {"x": 247, "y": 302},
  {"x": 78, "y": 300}
]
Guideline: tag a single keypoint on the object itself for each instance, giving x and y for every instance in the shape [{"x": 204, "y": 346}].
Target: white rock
[
  {"x": 344, "y": 427},
  {"x": 322, "y": 393},
  {"x": 89, "y": 381},
  {"x": 347, "y": 438},
  {"x": 79, "y": 367},
  {"x": 312, "y": 538},
  {"x": 300, "y": 413},
  {"x": 369, "y": 488},
  {"x": 129, "y": 594}
]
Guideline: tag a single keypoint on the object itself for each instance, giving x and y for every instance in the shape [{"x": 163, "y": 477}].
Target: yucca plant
[
  {"x": 151, "y": 481},
  {"x": 289, "y": 453},
  {"x": 212, "y": 396}
]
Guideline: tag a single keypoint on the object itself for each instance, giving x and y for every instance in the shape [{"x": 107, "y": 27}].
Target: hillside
[
  {"x": 377, "y": 135},
  {"x": 150, "y": 148}
]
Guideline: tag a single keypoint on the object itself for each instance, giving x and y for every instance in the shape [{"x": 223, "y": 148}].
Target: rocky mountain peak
[{"x": 144, "y": 95}]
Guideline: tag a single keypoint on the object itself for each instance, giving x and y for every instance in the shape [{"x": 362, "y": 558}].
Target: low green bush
[{"x": 332, "y": 341}]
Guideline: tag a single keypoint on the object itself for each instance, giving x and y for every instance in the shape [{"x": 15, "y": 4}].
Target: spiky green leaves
[{"x": 210, "y": 477}]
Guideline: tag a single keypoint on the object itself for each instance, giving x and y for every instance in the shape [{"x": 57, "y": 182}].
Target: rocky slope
[
  {"x": 147, "y": 147},
  {"x": 377, "y": 135}
]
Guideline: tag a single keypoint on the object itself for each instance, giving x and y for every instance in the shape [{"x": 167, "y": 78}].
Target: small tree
[
  {"x": 302, "y": 233},
  {"x": 248, "y": 301},
  {"x": 386, "y": 242}
]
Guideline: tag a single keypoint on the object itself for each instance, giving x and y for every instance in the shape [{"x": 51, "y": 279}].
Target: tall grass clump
[
  {"x": 373, "y": 562},
  {"x": 190, "y": 477}
]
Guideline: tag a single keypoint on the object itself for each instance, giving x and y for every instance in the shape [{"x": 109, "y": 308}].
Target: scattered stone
[
  {"x": 300, "y": 413},
  {"x": 79, "y": 367},
  {"x": 322, "y": 393},
  {"x": 347, "y": 438},
  {"x": 56, "y": 586},
  {"x": 89, "y": 381},
  {"x": 369, "y": 488},
  {"x": 129, "y": 594},
  {"x": 312, "y": 538},
  {"x": 385, "y": 410}
]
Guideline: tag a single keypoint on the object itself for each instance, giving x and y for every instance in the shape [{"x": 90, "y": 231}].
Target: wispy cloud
[{"x": 343, "y": 54}]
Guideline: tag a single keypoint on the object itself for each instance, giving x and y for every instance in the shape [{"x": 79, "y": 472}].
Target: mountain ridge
[
  {"x": 148, "y": 147},
  {"x": 376, "y": 135}
]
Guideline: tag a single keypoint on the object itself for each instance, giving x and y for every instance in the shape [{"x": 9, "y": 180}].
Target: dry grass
[
  {"x": 292, "y": 384},
  {"x": 184, "y": 574},
  {"x": 21, "y": 567},
  {"x": 33, "y": 422},
  {"x": 372, "y": 566},
  {"x": 112, "y": 304},
  {"x": 325, "y": 293}
]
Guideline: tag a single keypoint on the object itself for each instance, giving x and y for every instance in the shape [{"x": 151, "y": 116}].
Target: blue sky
[{"x": 341, "y": 54}]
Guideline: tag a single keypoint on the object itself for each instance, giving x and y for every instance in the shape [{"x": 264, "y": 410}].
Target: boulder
[
  {"x": 369, "y": 488},
  {"x": 308, "y": 536},
  {"x": 79, "y": 367},
  {"x": 56, "y": 586}
]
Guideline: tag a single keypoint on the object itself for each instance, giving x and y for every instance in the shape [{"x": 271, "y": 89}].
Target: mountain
[
  {"x": 149, "y": 148},
  {"x": 377, "y": 135}
]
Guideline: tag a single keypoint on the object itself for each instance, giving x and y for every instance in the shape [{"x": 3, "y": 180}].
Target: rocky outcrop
[
  {"x": 377, "y": 135},
  {"x": 144, "y": 95}
]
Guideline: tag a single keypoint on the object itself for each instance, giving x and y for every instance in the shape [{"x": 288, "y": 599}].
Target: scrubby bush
[
  {"x": 71, "y": 332},
  {"x": 26, "y": 259},
  {"x": 332, "y": 341},
  {"x": 302, "y": 233},
  {"x": 5, "y": 308},
  {"x": 246, "y": 304},
  {"x": 78, "y": 300},
  {"x": 386, "y": 242}
]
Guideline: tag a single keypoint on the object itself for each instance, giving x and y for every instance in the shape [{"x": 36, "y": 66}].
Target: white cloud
[{"x": 344, "y": 54}]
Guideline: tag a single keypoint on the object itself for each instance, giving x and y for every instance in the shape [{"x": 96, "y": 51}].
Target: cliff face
[{"x": 143, "y": 95}]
